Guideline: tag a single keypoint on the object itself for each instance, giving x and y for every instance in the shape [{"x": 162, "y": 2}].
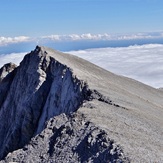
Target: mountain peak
[
  {"x": 39, "y": 48},
  {"x": 55, "y": 103}
]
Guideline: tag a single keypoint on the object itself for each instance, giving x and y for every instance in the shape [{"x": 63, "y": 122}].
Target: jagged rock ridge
[
  {"x": 56, "y": 103},
  {"x": 34, "y": 87},
  {"x": 40, "y": 89}
]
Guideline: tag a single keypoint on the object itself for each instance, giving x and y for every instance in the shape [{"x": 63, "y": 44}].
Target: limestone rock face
[
  {"x": 41, "y": 89},
  {"x": 55, "y": 107}
]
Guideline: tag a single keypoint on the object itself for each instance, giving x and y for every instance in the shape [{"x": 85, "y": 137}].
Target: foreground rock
[
  {"x": 69, "y": 139},
  {"x": 55, "y": 107}
]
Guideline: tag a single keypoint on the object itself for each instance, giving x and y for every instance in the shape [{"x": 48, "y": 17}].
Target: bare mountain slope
[{"x": 78, "y": 112}]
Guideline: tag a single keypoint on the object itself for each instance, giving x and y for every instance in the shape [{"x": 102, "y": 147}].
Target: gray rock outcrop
[
  {"x": 56, "y": 107},
  {"x": 6, "y": 69}
]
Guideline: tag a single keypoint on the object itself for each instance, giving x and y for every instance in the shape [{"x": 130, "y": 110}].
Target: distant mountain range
[{"x": 56, "y": 107}]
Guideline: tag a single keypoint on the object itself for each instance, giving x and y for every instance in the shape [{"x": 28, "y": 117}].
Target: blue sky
[
  {"x": 70, "y": 23},
  {"x": 46, "y": 17}
]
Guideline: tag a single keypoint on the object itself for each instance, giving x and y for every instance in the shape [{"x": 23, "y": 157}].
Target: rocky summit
[{"x": 56, "y": 107}]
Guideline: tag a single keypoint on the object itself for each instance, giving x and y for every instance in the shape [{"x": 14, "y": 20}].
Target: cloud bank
[
  {"x": 143, "y": 63},
  {"x": 80, "y": 37},
  {"x": 12, "y": 40},
  {"x": 106, "y": 36},
  {"x": 13, "y": 57}
]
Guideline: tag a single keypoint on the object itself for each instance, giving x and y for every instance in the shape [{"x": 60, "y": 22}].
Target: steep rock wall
[{"x": 40, "y": 89}]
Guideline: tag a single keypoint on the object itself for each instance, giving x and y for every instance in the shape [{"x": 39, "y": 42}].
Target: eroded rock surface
[
  {"x": 69, "y": 139},
  {"x": 41, "y": 89}
]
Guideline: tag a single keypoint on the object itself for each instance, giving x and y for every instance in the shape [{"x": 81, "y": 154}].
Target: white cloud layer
[
  {"x": 106, "y": 36},
  {"x": 79, "y": 37},
  {"x": 11, "y": 40},
  {"x": 75, "y": 37},
  {"x": 143, "y": 63},
  {"x": 13, "y": 57}
]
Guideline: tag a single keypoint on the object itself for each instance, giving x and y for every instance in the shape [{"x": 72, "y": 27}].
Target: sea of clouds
[
  {"x": 141, "y": 62},
  {"x": 13, "y": 57}
]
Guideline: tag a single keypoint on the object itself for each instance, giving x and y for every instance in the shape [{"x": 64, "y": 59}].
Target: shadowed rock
[{"x": 42, "y": 88}]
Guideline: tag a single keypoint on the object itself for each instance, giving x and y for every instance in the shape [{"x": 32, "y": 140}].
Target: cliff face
[
  {"x": 40, "y": 89},
  {"x": 55, "y": 107}
]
